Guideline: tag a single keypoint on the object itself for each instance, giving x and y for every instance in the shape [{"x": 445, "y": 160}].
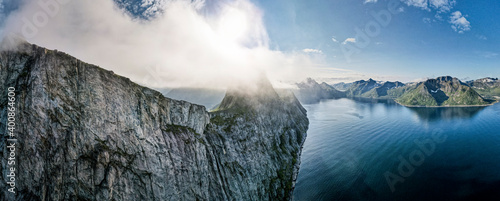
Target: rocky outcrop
[{"x": 85, "y": 133}]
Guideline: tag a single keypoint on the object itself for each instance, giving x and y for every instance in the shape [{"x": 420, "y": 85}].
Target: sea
[{"x": 379, "y": 150}]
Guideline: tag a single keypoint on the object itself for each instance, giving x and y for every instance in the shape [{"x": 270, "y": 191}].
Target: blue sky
[
  {"x": 220, "y": 42},
  {"x": 418, "y": 42}
]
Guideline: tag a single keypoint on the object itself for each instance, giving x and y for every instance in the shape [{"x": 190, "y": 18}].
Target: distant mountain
[
  {"x": 387, "y": 90},
  {"x": 206, "y": 97},
  {"x": 442, "y": 91},
  {"x": 360, "y": 87},
  {"x": 486, "y": 87},
  {"x": 309, "y": 91},
  {"x": 342, "y": 86}
]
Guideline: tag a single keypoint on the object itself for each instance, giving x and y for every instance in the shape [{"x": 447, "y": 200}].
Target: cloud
[
  {"x": 438, "y": 17},
  {"x": 312, "y": 51},
  {"x": 349, "y": 40},
  {"x": 423, "y": 4},
  {"x": 482, "y": 37},
  {"x": 427, "y": 20},
  {"x": 334, "y": 40},
  {"x": 487, "y": 54},
  {"x": 459, "y": 23},
  {"x": 184, "y": 44},
  {"x": 442, "y": 5},
  {"x": 370, "y": 1}
]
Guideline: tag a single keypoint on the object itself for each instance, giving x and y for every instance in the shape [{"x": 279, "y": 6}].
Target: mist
[{"x": 187, "y": 44}]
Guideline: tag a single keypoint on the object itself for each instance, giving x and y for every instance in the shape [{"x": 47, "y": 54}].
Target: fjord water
[{"x": 351, "y": 146}]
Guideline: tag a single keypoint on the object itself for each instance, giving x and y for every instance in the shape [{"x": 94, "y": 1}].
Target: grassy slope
[
  {"x": 489, "y": 93},
  {"x": 419, "y": 96},
  {"x": 452, "y": 96}
]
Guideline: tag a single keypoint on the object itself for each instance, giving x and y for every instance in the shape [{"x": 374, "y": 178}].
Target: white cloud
[
  {"x": 427, "y": 20},
  {"x": 334, "y": 40},
  {"x": 439, "y": 5},
  {"x": 459, "y": 23},
  {"x": 312, "y": 51},
  {"x": 349, "y": 40},
  {"x": 370, "y": 1},
  {"x": 182, "y": 46},
  {"x": 442, "y": 5},
  {"x": 423, "y": 4},
  {"x": 438, "y": 17},
  {"x": 482, "y": 37}
]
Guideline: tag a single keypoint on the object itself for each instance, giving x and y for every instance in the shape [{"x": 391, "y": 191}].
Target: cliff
[{"x": 85, "y": 133}]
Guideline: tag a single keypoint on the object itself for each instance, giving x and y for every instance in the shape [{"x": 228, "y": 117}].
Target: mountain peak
[
  {"x": 249, "y": 96},
  {"x": 446, "y": 78}
]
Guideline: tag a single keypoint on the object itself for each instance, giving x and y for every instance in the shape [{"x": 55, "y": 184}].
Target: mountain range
[
  {"x": 486, "y": 87},
  {"x": 201, "y": 96},
  {"x": 309, "y": 91},
  {"x": 444, "y": 91}
]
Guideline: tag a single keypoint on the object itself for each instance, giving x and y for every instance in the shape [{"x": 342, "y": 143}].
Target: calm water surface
[{"x": 357, "y": 150}]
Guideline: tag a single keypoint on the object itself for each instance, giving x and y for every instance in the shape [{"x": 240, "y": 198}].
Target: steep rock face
[
  {"x": 87, "y": 134},
  {"x": 260, "y": 143}
]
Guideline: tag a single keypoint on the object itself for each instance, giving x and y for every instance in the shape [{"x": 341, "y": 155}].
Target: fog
[{"x": 188, "y": 44}]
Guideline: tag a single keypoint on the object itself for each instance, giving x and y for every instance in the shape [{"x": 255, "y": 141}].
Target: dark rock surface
[{"x": 85, "y": 133}]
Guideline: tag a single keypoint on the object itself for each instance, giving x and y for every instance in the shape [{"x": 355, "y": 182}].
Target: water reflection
[
  {"x": 389, "y": 102},
  {"x": 446, "y": 113},
  {"x": 351, "y": 144}
]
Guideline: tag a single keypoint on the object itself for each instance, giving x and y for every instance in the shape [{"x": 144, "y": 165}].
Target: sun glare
[{"x": 233, "y": 24}]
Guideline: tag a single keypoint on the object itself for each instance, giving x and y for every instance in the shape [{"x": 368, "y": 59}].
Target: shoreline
[
  {"x": 447, "y": 106},
  {"x": 420, "y": 106}
]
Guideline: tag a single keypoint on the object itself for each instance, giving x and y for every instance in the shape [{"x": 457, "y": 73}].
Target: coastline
[
  {"x": 447, "y": 106},
  {"x": 421, "y": 106}
]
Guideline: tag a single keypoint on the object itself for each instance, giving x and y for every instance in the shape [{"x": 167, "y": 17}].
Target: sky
[
  {"x": 422, "y": 38},
  {"x": 218, "y": 43}
]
